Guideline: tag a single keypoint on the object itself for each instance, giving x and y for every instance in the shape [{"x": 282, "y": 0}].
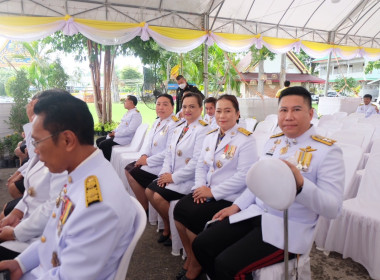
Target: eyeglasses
[{"x": 35, "y": 143}]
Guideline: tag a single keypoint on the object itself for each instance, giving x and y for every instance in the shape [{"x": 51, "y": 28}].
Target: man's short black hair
[
  {"x": 367, "y": 96},
  {"x": 300, "y": 91},
  {"x": 62, "y": 111},
  {"x": 179, "y": 77},
  {"x": 133, "y": 99},
  {"x": 286, "y": 83},
  {"x": 168, "y": 96},
  {"x": 210, "y": 100}
]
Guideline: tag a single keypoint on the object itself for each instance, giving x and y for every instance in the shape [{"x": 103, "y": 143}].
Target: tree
[
  {"x": 372, "y": 65},
  {"x": 348, "y": 86},
  {"x": 18, "y": 88},
  {"x": 259, "y": 56},
  {"x": 5, "y": 74},
  {"x": 130, "y": 73},
  {"x": 56, "y": 77}
]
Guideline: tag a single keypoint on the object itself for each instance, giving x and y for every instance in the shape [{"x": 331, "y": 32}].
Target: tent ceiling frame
[
  {"x": 127, "y": 16},
  {"x": 304, "y": 26},
  {"x": 217, "y": 13},
  {"x": 359, "y": 18},
  {"x": 249, "y": 11},
  {"x": 47, "y": 8},
  {"x": 287, "y": 9}
]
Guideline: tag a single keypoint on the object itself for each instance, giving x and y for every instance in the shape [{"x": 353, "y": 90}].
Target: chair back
[
  {"x": 265, "y": 127},
  {"x": 250, "y": 124},
  {"x": 340, "y": 115},
  {"x": 369, "y": 189},
  {"x": 352, "y": 156},
  {"x": 345, "y": 136},
  {"x": 139, "y": 225}
]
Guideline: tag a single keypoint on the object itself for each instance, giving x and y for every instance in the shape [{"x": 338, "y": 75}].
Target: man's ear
[{"x": 69, "y": 139}]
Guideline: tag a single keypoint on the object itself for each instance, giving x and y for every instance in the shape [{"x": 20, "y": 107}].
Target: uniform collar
[
  {"x": 131, "y": 110},
  {"x": 306, "y": 135},
  {"x": 168, "y": 118},
  {"x": 194, "y": 122},
  {"x": 232, "y": 131},
  {"x": 90, "y": 163}
]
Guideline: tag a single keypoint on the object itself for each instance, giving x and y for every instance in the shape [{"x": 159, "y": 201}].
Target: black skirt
[
  {"x": 168, "y": 195},
  {"x": 195, "y": 216},
  {"x": 141, "y": 176}
]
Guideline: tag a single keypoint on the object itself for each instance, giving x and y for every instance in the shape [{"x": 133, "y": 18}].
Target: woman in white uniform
[
  {"x": 227, "y": 154},
  {"x": 177, "y": 175}
]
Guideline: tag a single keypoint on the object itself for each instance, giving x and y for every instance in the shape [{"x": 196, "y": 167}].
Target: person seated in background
[
  {"x": 183, "y": 86},
  {"x": 125, "y": 131},
  {"x": 227, "y": 154},
  {"x": 286, "y": 85},
  {"x": 28, "y": 217},
  {"x": 177, "y": 174},
  {"x": 367, "y": 107},
  {"x": 15, "y": 182},
  {"x": 179, "y": 114},
  {"x": 91, "y": 225},
  {"x": 209, "y": 117},
  {"x": 142, "y": 172},
  {"x": 249, "y": 234}
]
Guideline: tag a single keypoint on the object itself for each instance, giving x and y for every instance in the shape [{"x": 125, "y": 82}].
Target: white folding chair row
[
  {"x": 347, "y": 137},
  {"x": 261, "y": 139},
  {"x": 357, "y": 115},
  {"x": 139, "y": 226},
  {"x": 356, "y": 233},
  {"x": 340, "y": 115},
  {"x": 273, "y": 118},
  {"x": 134, "y": 146}
]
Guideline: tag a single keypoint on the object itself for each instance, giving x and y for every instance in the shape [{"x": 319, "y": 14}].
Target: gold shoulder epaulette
[
  {"x": 216, "y": 129},
  {"x": 244, "y": 131},
  {"x": 361, "y": 104},
  {"x": 180, "y": 123},
  {"x": 373, "y": 105},
  {"x": 323, "y": 140},
  {"x": 202, "y": 122},
  {"x": 137, "y": 111},
  {"x": 174, "y": 118},
  {"x": 277, "y": 135},
  {"x": 92, "y": 190}
]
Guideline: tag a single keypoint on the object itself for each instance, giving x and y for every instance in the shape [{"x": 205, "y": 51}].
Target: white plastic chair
[
  {"x": 139, "y": 225},
  {"x": 273, "y": 118},
  {"x": 135, "y": 145},
  {"x": 340, "y": 115},
  {"x": 347, "y": 137},
  {"x": 265, "y": 127},
  {"x": 250, "y": 124},
  {"x": 356, "y": 233},
  {"x": 356, "y": 115}
]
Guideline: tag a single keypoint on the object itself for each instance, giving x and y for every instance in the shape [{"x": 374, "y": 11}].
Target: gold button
[
  {"x": 53, "y": 215},
  {"x": 70, "y": 180},
  {"x": 31, "y": 191},
  {"x": 179, "y": 153},
  {"x": 43, "y": 239},
  {"x": 65, "y": 190}
]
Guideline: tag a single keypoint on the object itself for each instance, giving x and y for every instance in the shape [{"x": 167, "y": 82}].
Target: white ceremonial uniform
[
  {"x": 28, "y": 141},
  {"x": 92, "y": 240},
  {"x": 181, "y": 158},
  {"x": 211, "y": 121},
  {"x": 158, "y": 143},
  {"x": 127, "y": 127},
  {"x": 41, "y": 191},
  {"x": 224, "y": 169},
  {"x": 368, "y": 110},
  {"x": 322, "y": 193}
]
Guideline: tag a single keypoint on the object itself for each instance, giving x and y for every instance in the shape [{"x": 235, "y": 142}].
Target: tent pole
[
  {"x": 205, "y": 58},
  {"x": 331, "y": 41},
  {"x": 328, "y": 74}
]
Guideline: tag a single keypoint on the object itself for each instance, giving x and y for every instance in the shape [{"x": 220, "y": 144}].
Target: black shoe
[
  {"x": 168, "y": 242},
  {"x": 163, "y": 238},
  {"x": 181, "y": 273}
]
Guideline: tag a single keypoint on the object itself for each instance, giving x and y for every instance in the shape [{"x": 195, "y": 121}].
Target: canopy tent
[{"x": 347, "y": 28}]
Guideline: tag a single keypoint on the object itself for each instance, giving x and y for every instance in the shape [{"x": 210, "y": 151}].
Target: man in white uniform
[
  {"x": 209, "y": 117},
  {"x": 92, "y": 222},
  {"x": 124, "y": 133},
  {"x": 367, "y": 107},
  {"x": 250, "y": 233}
]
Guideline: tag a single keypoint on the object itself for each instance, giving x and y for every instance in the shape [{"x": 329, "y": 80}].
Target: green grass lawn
[{"x": 148, "y": 115}]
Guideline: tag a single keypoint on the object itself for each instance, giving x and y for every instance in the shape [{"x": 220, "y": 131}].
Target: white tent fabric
[{"x": 304, "y": 23}]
